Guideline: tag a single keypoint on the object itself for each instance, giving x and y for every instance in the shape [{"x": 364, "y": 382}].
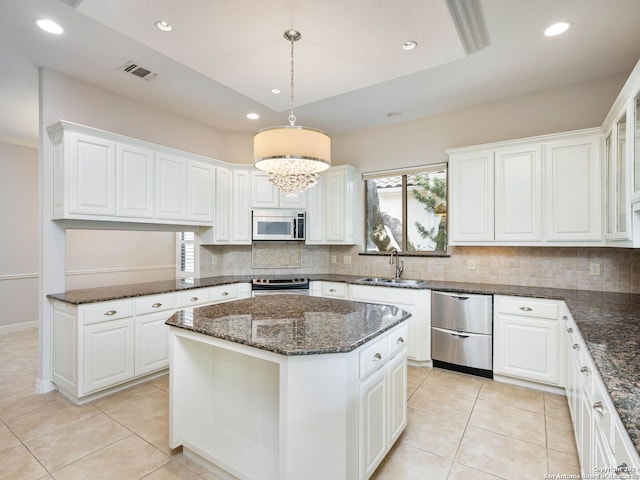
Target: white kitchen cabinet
[
  {"x": 415, "y": 301},
  {"x": 374, "y": 398},
  {"x": 573, "y": 207},
  {"x": 329, "y": 289},
  {"x": 201, "y": 178},
  {"x": 265, "y": 195},
  {"x": 333, "y": 206},
  {"x": 397, "y": 378},
  {"x": 152, "y": 342},
  {"x": 108, "y": 354},
  {"x": 232, "y": 219},
  {"x": 171, "y": 185},
  {"x": 526, "y": 339},
  {"x": 518, "y": 194},
  {"x": 471, "y": 193},
  {"x": 135, "y": 183}
]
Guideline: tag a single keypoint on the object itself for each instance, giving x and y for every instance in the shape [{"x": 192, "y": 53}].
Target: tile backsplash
[{"x": 557, "y": 267}]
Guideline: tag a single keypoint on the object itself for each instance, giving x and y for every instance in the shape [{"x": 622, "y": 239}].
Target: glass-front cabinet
[{"x": 617, "y": 201}]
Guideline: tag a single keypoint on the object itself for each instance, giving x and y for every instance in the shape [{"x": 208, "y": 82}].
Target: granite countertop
[
  {"x": 609, "y": 323},
  {"x": 292, "y": 324}
]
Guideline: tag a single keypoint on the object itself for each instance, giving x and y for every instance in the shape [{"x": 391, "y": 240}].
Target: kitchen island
[{"x": 288, "y": 387}]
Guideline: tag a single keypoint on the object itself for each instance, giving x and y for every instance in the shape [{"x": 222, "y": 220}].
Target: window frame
[
  {"x": 404, "y": 173},
  {"x": 180, "y": 242}
]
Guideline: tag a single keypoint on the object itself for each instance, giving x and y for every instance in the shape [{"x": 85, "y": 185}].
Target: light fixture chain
[{"x": 292, "y": 117}]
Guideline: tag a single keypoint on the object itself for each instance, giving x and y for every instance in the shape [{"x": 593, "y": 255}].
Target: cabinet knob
[
  {"x": 526, "y": 309},
  {"x": 570, "y": 330},
  {"x": 622, "y": 468},
  {"x": 377, "y": 357},
  {"x": 156, "y": 305},
  {"x": 585, "y": 370},
  {"x": 400, "y": 341},
  {"x": 332, "y": 290},
  {"x": 575, "y": 346},
  {"x": 598, "y": 407},
  {"x": 565, "y": 318},
  {"x": 194, "y": 299},
  {"x": 110, "y": 312},
  {"x": 224, "y": 294}
]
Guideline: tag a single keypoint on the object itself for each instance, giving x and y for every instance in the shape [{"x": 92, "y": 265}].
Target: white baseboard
[
  {"x": 44, "y": 386},
  {"x": 17, "y": 327}
]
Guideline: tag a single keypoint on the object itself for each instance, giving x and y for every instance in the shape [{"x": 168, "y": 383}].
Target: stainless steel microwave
[{"x": 279, "y": 224}]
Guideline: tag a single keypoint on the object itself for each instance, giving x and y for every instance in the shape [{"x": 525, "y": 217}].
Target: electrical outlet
[
  {"x": 471, "y": 264},
  {"x": 347, "y": 259},
  {"x": 214, "y": 260},
  {"x": 334, "y": 259},
  {"x": 594, "y": 269}
]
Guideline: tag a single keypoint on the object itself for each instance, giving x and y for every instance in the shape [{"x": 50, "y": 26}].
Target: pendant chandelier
[{"x": 290, "y": 154}]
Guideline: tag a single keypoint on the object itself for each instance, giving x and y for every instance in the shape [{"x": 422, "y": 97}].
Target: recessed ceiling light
[
  {"x": 253, "y": 116},
  {"x": 557, "y": 29},
  {"x": 410, "y": 45},
  {"x": 164, "y": 26},
  {"x": 394, "y": 114},
  {"x": 276, "y": 91},
  {"x": 49, "y": 26}
]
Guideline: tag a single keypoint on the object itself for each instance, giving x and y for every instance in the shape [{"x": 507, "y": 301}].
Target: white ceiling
[{"x": 223, "y": 57}]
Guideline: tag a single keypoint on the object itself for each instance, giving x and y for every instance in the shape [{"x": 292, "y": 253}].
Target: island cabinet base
[{"x": 255, "y": 414}]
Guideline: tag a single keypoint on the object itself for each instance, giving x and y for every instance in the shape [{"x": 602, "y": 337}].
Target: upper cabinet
[
  {"x": 265, "y": 195},
  {"x": 332, "y": 213},
  {"x": 102, "y": 176},
  {"x": 536, "y": 191}
]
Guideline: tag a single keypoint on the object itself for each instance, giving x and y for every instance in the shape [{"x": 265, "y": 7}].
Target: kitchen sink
[{"x": 392, "y": 281}]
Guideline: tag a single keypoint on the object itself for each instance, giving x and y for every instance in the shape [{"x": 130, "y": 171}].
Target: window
[
  {"x": 186, "y": 254},
  {"x": 407, "y": 210}
]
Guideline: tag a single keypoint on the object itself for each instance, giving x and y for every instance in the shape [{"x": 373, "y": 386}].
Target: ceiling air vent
[{"x": 138, "y": 71}]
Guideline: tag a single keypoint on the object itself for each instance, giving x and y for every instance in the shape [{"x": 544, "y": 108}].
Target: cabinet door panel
[
  {"x": 136, "y": 178},
  {"x": 171, "y": 184},
  {"x": 241, "y": 207},
  {"x": 108, "y": 354},
  {"x": 573, "y": 179},
  {"x": 222, "y": 221},
  {"x": 263, "y": 193},
  {"x": 92, "y": 175},
  {"x": 397, "y": 395},
  {"x": 373, "y": 421},
  {"x": 200, "y": 192},
  {"x": 518, "y": 214},
  {"x": 472, "y": 197},
  {"x": 152, "y": 342}
]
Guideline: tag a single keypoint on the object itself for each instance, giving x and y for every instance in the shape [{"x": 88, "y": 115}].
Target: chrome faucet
[{"x": 399, "y": 263}]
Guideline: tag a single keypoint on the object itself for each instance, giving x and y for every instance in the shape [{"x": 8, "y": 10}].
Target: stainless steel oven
[{"x": 290, "y": 286}]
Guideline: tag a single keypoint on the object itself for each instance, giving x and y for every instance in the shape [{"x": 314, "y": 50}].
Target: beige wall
[{"x": 19, "y": 237}]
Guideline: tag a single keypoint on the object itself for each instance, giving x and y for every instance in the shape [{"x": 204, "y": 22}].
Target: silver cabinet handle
[
  {"x": 526, "y": 309},
  {"x": 565, "y": 318},
  {"x": 400, "y": 341},
  {"x": 459, "y": 298},
  {"x": 457, "y": 335},
  {"x": 575, "y": 346},
  {"x": 598, "y": 407},
  {"x": 570, "y": 330},
  {"x": 622, "y": 468},
  {"x": 377, "y": 357},
  {"x": 110, "y": 312},
  {"x": 332, "y": 290},
  {"x": 224, "y": 294},
  {"x": 194, "y": 299},
  {"x": 156, "y": 305},
  {"x": 585, "y": 370}
]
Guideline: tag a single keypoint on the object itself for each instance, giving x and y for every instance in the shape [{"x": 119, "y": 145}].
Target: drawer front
[
  {"x": 192, "y": 298},
  {"x": 224, "y": 293},
  {"x": 334, "y": 289},
  {"x": 398, "y": 339},
  {"x": 468, "y": 349},
  {"x": 105, "y": 311},
  {"x": 462, "y": 312},
  {"x": 374, "y": 356},
  {"x": 386, "y": 295},
  {"x": 155, "y": 303},
  {"x": 525, "y": 307}
]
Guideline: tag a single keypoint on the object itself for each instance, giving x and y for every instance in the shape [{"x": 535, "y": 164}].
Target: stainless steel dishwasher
[{"x": 462, "y": 332}]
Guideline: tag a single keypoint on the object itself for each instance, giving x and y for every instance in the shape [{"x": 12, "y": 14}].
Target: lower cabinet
[
  {"x": 383, "y": 399},
  {"x": 151, "y": 343},
  {"x": 526, "y": 339},
  {"x": 329, "y": 289}
]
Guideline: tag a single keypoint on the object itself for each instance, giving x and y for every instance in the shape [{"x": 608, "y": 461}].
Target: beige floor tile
[
  {"x": 156, "y": 432},
  {"x": 556, "y": 406},
  {"x": 432, "y": 433},
  {"x": 195, "y": 467},
  {"x": 462, "y": 472},
  {"x": 161, "y": 382},
  {"x": 7, "y": 439},
  {"x": 122, "y": 401},
  {"x": 563, "y": 463},
  {"x": 405, "y": 462},
  {"x": 512, "y": 395},
  {"x": 501, "y": 456},
  {"x": 172, "y": 471},
  {"x": 510, "y": 421},
  {"x": 18, "y": 464},
  {"x": 415, "y": 377},
  {"x": 71, "y": 443},
  {"x": 439, "y": 401},
  {"x": 456, "y": 383},
  {"x": 560, "y": 436},
  {"x": 32, "y": 425},
  {"x": 129, "y": 458},
  {"x": 16, "y": 405}
]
